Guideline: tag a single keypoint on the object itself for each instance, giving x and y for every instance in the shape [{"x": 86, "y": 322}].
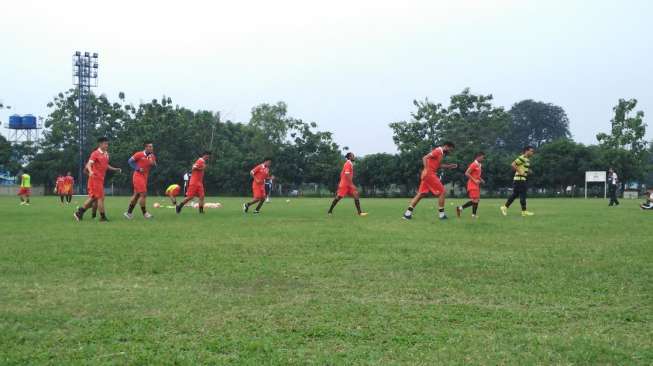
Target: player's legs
[
  {"x": 522, "y": 197},
  {"x": 357, "y": 203},
  {"x": 143, "y": 203},
  {"x": 441, "y": 201},
  {"x": 201, "y": 204},
  {"x": 69, "y": 196},
  {"x": 260, "y": 204},
  {"x": 61, "y": 198},
  {"x": 100, "y": 208},
  {"x": 173, "y": 199},
  {"x": 90, "y": 202},
  {"x": 132, "y": 204},
  {"x": 413, "y": 203},
  {"x": 183, "y": 203},
  {"x": 334, "y": 203}
]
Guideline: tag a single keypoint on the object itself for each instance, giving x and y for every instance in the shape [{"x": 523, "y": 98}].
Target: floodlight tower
[{"x": 85, "y": 67}]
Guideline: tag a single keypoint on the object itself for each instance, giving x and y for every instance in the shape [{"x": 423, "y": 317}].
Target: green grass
[{"x": 571, "y": 285}]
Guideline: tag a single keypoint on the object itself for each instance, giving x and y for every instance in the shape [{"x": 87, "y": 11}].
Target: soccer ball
[
  {"x": 156, "y": 205},
  {"x": 287, "y": 201}
]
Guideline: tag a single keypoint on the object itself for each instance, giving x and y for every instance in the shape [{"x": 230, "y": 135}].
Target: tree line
[{"x": 303, "y": 154}]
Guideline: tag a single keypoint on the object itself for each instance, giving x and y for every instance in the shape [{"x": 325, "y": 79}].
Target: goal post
[{"x": 597, "y": 177}]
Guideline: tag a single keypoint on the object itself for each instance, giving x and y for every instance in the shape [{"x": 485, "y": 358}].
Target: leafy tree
[
  {"x": 625, "y": 146},
  {"x": 536, "y": 123}
]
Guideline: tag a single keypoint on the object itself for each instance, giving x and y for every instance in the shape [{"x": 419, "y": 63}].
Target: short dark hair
[
  {"x": 102, "y": 139},
  {"x": 528, "y": 147},
  {"x": 205, "y": 152},
  {"x": 147, "y": 142},
  {"x": 480, "y": 153},
  {"x": 349, "y": 155},
  {"x": 449, "y": 143},
  {"x": 267, "y": 158}
]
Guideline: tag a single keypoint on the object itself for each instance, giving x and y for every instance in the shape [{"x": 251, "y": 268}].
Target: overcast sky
[{"x": 351, "y": 66}]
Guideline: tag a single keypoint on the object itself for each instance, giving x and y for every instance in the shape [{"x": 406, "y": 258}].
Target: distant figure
[
  {"x": 613, "y": 187},
  {"x": 268, "y": 189},
  {"x": 68, "y": 186},
  {"x": 187, "y": 176},
  {"x": 648, "y": 205},
  {"x": 25, "y": 189},
  {"x": 59, "y": 188}
]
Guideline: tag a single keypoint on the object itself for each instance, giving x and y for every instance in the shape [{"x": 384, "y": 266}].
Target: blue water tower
[
  {"x": 28, "y": 122},
  {"x": 15, "y": 122}
]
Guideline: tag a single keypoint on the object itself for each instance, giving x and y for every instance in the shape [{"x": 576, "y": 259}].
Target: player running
[
  {"x": 522, "y": 168},
  {"x": 59, "y": 188},
  {"x": 260, "y": 173},
  {"x": 430, "y": 181},
  {"x": 346, "y": 187},
  {"x": 68, "y": 186},
  {"x": 25, "y": 189},
  {"x": 142, "y": 162},
  {"x": 97, "y": 166},
  {"x": 473, "y": 174},
  {"x": 172, "y": 192},
  {"x": 196, "y": 183}
]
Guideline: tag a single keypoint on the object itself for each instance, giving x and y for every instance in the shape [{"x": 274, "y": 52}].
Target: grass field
[{"x": 571, "y": 285}]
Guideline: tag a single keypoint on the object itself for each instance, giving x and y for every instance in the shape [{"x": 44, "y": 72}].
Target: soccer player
[
  {"x": 260, "y": 173},
  {"x": 648, "y": 205},
  {"x": 68, "y": 186},
  {"x": 429, "y": 179},
  {"x": 522, "y": 168},
  {"x": 474, "y": 180},
  {"x": 97, "y": 166},
  {"x": 59, "y": 188},
  {"x": 25, "y": 189},
  {"x": 196, "y": 183},
  {"x": 142, "y": 162},
  {"x": 172, "y": 192},
  {"x": 346, "y": 186}
]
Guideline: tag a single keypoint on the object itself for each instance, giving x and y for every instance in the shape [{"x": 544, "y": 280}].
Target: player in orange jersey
[
  {"x": 430, "y": 182},
  {"x": 142, "y": 162},
  {"x": 259, "y": 174},
  {"x": 474, "y": 181},
  {"x": 346, "y": 186},
  {"x": 196, "y": 184}
]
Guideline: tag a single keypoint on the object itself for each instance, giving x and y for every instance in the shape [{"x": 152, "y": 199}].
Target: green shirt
[
  {"x": 524, "y": 165},
  {"x": 24, "y": 181}
]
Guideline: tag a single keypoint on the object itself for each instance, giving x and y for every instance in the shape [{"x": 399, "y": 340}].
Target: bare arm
[
  {"x": 468, "y": 174},
  {"x": 449, "y": 166},
  {"x": 114, "y": 169},
  {"x": 88, "y": 168}
]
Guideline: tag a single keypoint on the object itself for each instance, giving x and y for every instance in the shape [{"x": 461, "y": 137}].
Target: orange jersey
[
  {"x": 347, "y": 171},
  {"x": 100, "y": 165},
  {"x": 475, "y": 171},
  {"x": 434, "y": 160},
  {"x": 60, "y": 182},
  {"x": 197, "y": 176},
  {"x": 69, "y": 180},
  {"x": 145, "y": 162},
  {"x": 260, "y": 173}
]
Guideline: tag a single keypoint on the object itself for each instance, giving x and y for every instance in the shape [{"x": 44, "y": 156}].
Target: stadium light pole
[{"x": 85, "y": 69}]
